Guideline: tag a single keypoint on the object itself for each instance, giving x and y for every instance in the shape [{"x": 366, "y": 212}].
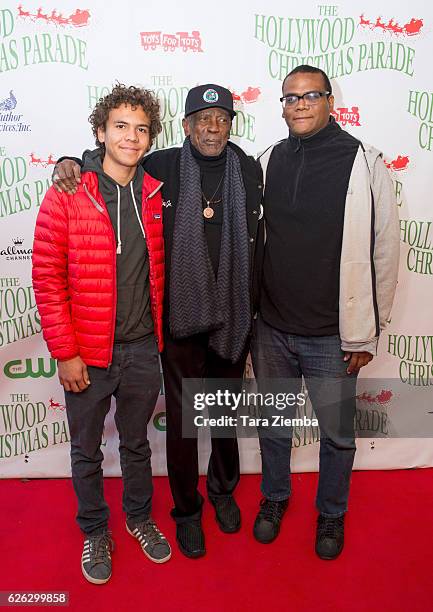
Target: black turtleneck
[
  {"x": 211, "y": 173},
  {"x": 165, "y": 166},
  {"x": 306, "y": 187}
]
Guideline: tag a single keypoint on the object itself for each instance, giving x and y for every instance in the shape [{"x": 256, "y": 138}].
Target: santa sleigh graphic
[
  {"x": 248, "y": 96},
  {"x": 383, "y": 398},
  {"x": 55, "y": 405},
  {"x": 398, "y": 164},
  {"x": 37, "y": 161},
  {"x": 411, "y": 28},
  {"x": 78, "y": 19}
]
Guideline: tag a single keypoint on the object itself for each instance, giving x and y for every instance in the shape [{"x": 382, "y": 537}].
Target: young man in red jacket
[{"x": 98, "y": 276}]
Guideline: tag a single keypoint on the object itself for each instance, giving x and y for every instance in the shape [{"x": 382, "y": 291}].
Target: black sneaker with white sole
[
  {"x": 152, "y": 541},
  {"x": 96, "y": 558}
]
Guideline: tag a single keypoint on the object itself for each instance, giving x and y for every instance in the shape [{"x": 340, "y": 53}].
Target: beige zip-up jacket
[{"x": 369, "y": 253}]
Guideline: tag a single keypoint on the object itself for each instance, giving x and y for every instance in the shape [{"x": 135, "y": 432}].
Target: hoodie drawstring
[
  {"x": 136, "y": 211},
  {"x": 119, "y": 242}
]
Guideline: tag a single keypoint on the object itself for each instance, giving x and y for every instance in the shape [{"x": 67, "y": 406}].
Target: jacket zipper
[
  {"x": 152, "y": 284},
  {"x": 104, "y": 213}
]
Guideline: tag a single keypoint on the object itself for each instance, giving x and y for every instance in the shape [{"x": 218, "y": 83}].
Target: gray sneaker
[
  {"x": 96, "y": 558},
  {"x": 153, "y": 543}
]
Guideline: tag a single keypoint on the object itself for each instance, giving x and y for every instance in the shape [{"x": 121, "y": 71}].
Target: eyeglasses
[{"x": 310, "y": 97}]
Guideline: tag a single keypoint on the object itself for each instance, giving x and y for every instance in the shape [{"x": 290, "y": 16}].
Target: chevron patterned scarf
[{"x": 199, "y": 302}]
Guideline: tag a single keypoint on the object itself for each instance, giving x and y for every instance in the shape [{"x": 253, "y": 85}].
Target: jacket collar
[
  {"x": 316, "y": 140},
  {"x": 151, "y": 186}
]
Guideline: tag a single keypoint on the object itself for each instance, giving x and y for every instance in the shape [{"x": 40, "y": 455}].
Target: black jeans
[
  {"x": 192, "y": 358},
  {"x": 133, "y": 378}
]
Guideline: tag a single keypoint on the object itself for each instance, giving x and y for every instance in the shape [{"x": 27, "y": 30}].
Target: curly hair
[{"x": 135, "y": 96}]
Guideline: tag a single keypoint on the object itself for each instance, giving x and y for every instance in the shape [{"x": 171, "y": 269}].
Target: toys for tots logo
[
  {"x": 344, "y": 116},
  {"x": 151, "y": 41},
  {"x": 328, "y": 42}
]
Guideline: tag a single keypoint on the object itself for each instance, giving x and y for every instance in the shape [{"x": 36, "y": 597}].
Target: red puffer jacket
[{"x": 74, "y": 270}]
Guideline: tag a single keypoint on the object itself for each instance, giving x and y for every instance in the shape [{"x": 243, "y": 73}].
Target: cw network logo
[{"x": 18, "y": 368}]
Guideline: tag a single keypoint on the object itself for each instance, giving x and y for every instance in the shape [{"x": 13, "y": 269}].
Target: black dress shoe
[
  {"x": 190, "y": 538},
  {"x": 268, "y": 520},
  {"x": 227, "y": 513},
  {"x": 329, "y": 536}
]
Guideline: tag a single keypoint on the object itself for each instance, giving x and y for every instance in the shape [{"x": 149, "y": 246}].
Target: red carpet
[{"x": 386, "y": 564}]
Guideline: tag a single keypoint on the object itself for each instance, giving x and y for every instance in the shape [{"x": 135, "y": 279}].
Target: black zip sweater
[{"x": 305, "y": 195}]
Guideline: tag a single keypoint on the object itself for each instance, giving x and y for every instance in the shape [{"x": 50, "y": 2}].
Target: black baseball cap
[{"x": 208, "y": 96}]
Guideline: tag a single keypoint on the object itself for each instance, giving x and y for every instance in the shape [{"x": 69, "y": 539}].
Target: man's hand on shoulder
[
  {"x": 357, "y": 361},
  {"x": 66, "y": 176},
  {"x": 73, "y": 374}
]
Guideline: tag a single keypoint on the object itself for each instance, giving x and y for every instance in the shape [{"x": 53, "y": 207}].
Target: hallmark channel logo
[
  {"x": 411, "y": 28},
  {"x": 400, "y": 163},
  {"x": 150, "y": 41},
  {"x": 26, "y": 368},
  {"x": 11, "y": 121},
  {"x": 344, "y": 116},
  {"x": 16, "y": 251},
  {"x": 78, "y": 19},
  {"x": 44, "y": 163}
]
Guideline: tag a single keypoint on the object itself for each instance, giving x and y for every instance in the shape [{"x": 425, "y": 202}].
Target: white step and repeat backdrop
[{"x": 57, "y": 60}]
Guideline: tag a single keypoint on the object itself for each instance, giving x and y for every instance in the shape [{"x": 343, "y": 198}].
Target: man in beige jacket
[{"x": 330, "y": 273}]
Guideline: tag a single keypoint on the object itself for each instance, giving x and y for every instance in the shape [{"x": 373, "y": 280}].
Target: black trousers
[
  {"x": 192, "y": 358},
  {"x": 133, "y": 378}
]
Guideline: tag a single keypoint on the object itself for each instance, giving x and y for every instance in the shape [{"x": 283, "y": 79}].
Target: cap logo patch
[{"x": 210, "y": 95}]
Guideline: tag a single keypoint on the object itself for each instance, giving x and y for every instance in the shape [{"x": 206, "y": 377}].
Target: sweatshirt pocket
[{"x": 357, "y": 318}]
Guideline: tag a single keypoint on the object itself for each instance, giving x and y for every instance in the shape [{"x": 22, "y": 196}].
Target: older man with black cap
[{"x": 213, "y": 241}]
